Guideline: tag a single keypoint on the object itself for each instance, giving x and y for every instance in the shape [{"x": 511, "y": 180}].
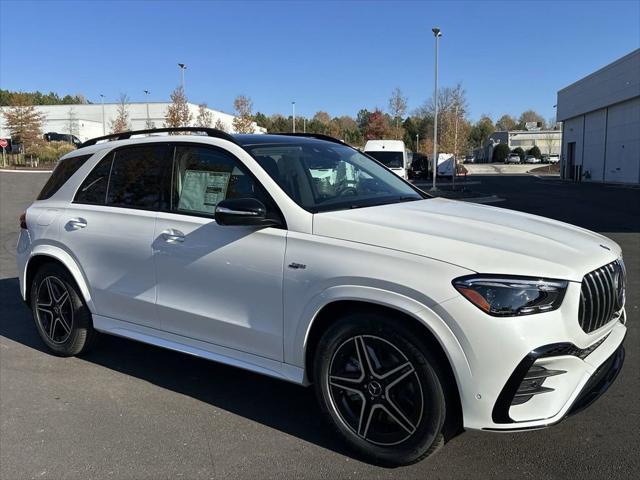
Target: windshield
[
  {"x": 388, "y": 159},
  {"x": 322, "y": 176}
]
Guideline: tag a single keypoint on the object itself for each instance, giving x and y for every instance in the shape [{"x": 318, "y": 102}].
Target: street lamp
[
  {"x": 436, "y": 33},
  {"x": 183, "y": 67},
  {"x": 104, "y": 130},
  {"x": 146, "y": 96},
  {"x": 293, "y": 106}
]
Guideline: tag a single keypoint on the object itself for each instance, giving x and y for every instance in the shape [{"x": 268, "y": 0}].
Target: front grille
[{"x": 601, "y": 296}]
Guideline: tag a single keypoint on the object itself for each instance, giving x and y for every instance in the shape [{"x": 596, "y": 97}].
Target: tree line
[
  {"x": 39, "y": 98},
  {"x": 456, "y": 132}
]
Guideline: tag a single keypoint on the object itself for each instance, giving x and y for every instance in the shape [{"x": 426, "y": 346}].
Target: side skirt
[{"x": 198, "y": 348}]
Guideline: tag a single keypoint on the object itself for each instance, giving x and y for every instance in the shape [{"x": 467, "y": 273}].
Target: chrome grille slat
[
  {"x": 599, "y": 296},
  {"x": 612, "y": 291}
]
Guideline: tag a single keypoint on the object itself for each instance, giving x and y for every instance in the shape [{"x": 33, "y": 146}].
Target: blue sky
[{"x": 333, "y": 56}]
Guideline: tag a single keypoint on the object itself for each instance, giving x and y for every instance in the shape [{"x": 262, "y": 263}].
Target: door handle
[
  {"x": 171, "y": 235},
  {"x": 77, "y": 223}
]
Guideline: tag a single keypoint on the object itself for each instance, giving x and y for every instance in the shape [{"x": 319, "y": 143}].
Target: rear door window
[
  {"x": 93, "y": 190},
  {"x": 63, "y": 172},
  {"x": 140, "y": 177}
]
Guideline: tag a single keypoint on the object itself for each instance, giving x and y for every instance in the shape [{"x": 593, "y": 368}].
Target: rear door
[{"x": 109, "y": 228}]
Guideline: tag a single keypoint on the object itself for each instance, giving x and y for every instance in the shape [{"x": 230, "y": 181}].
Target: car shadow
[{"x": 284, "y": 406}]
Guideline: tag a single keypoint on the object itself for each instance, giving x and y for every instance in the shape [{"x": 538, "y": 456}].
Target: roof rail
[
  {"x": 319, "y": 136},
  {"x": 211, "y": 132}
]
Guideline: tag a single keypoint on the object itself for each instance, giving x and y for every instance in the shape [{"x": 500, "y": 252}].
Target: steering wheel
[{"x": 347, "y": 191}]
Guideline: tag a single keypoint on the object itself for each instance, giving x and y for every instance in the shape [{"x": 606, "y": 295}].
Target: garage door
[{"x": 623, "y": 143}]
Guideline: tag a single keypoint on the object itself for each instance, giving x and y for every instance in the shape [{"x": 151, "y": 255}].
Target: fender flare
[
  {"x": 376, "y": 296},
  {"x": 68, "y": 262}
]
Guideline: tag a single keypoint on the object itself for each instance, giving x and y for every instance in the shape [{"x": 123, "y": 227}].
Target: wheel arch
[
  {"x": 51, "y": 254},
  {"x": 333, "y": 311}
]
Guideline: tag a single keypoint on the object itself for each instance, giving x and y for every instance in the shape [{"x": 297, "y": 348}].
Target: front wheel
[{"x": 380, "y": 388}]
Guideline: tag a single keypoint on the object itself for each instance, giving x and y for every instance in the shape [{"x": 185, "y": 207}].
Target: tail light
[{"x": 23, "y": 220}]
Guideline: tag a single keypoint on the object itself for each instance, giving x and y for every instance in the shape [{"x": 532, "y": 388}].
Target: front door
[
  {"x": 109, "y": 228},
  {"x": 218, "y": 284}
]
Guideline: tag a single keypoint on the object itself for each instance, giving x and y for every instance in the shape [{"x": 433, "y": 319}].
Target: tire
[
  {"x": 400, "y": 395},
  {"x": 60, "y": 314}
]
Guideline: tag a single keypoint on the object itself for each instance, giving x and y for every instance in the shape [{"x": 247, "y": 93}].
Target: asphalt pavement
[{"x": 132, "y": 411}]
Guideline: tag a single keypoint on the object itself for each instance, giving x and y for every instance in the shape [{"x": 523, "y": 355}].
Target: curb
[{"x": 6, "y": 170}]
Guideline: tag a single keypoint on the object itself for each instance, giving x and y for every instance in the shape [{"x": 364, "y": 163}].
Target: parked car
[
  {"x": 469, "y": 159},
  {"x": 391, "y": 153},
  {"x": 419, "y": 166},
  {"x": 62, "y": 137},
  {"x": 298, "y": 257},
  {"x": 531, "y": 159},
  {"x": 513, "y": 158},
  {"x": 554, "y": 158}
]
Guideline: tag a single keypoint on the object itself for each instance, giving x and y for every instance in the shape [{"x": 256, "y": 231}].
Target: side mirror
[{"x": 243, "y": 211}]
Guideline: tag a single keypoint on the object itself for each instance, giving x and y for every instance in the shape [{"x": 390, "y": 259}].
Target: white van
[{"x": 391, "y": 153}]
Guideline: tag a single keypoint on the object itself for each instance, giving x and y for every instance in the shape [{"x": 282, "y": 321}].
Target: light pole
[
  {"x": 304, "y": 124},
  {"x": 293, "y": 106},
  {"x": 146, "y": 96},
  {"x": 183, "y": 67},
  {"x": 436, "y": 33},
  {"x": 104, "y": 130},
  {"x": 417, "y": 142}
]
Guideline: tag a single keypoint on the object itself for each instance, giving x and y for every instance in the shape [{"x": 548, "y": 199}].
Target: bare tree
[
  {"x": 204, "y": 118},
  {"x": 397, "y": 108},
  {"x": 178, "y": 114},
  {"x": 121, "y": 122},
  {"x": 530, "y": 116},
  {"x": 73, "y": 127},
  {"x": 506, "y": 122},
  {"x": 243, "y": 121},
  {"x": 220, "y": 125},
  {"x": 551, "y": 140},
  {"x": 24, "y": 123}
]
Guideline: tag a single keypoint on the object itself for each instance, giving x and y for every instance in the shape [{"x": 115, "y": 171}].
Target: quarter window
[{"x": 63, "y": 172}]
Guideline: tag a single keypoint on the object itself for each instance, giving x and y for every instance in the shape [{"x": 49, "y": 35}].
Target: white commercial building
[
  {"x": 87, "y": 121},
  {"x": 548, "y": 141},
  {"x": 601, "y": 116}
]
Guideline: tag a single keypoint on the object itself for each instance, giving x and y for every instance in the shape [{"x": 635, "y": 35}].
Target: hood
[{"x": 477, "y": 237}]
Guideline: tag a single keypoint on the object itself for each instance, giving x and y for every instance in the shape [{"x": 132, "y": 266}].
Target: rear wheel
[
  {"x": 380, "y": 389},
  {"x": 62, "y": 319}
]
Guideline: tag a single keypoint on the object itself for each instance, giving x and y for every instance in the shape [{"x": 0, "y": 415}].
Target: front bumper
[
  {"x": 499, "y": 352},
  {"x": 597, "y": 384}
]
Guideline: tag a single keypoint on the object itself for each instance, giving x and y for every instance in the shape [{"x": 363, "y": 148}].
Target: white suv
[{"x": 301, "y": 258}]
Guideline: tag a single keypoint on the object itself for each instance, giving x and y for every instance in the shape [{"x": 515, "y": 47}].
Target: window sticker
[{"x": 203, "y": 190}]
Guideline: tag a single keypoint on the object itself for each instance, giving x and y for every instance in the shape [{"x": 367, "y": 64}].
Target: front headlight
[{"x": 504, "y": 296}]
